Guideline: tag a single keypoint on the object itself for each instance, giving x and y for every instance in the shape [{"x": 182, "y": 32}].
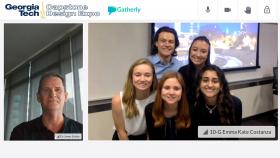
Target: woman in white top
[{"x": 128, "y": 106}]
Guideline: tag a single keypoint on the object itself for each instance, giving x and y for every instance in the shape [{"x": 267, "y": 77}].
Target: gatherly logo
[
  {"x": 24, "y": 10},
  {"x": 112, "y": 9}
]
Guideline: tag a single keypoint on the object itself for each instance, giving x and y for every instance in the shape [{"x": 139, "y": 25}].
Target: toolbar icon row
[{"x": 248, "y": 9}]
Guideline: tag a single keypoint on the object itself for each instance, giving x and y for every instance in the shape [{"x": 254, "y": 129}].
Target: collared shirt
[
  {"x": 35, "y": 130},
  {"x": 162, "y": 68}
]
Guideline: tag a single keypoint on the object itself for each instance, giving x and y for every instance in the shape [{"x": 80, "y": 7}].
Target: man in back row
[
  {"x": 52, "y": 96},
  {"x": 163, "y": 55}
]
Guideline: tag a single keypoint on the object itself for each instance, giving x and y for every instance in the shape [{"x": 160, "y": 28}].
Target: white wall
[
  {"x": 112, "y": 49},
  {"x": 100, "y": 126},
  {"x": 255, "y": 100}
]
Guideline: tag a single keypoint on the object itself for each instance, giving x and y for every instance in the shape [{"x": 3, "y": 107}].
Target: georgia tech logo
[{"x": 24, "y": 10}]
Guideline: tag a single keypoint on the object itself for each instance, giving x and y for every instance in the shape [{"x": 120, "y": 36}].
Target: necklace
[{"x": 210, "y": 109}]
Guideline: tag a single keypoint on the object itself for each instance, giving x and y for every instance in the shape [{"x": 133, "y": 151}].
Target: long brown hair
[
  {"x": 129, "y": 90},
  {"x": 183, "y": 119},
  {"x": 224, "y": 98},
  {"x": 191, "y": 73}
]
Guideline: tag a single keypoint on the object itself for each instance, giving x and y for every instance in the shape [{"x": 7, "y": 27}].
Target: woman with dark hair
[
  {"x": 163, "y": 51},
  {"x": 128, "y": 106},
  {"x": 199, "y": 56},
  {"x": 215, "y": 105},
  {"x": 168, "y": 118}
]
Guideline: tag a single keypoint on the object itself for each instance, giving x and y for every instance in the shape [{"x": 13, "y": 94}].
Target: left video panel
[{"x": 43, "y": 66}]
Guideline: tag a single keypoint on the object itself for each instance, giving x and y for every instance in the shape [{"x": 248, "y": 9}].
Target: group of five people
[{"x": 165, "y": 100}]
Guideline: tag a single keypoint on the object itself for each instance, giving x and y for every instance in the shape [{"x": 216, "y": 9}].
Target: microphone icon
[{"x": 207, "y": 9}]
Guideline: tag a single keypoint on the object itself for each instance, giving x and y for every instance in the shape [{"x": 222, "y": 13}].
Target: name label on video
[
  {"x": 236, "y": 131},
  {"x": 68, "y": 136}
]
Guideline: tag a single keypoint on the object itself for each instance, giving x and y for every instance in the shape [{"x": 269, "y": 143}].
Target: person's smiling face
[
  {"x": 165, "y": 44},
  {"x": 210, "y": 85},
  {"x": 52, "y": 94},
  {"x": 199, "y": 53},
  {"x": 171, "y": 92},
  {"x": 142, "y": 77}
]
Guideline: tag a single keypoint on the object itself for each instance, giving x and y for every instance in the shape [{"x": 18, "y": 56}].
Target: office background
[
  {"x": 114, "y": 46},
  {"x": 31, "y": 50}
]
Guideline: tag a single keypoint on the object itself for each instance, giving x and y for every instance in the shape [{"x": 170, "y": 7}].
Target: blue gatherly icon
[{"x": 111, "y": 9}]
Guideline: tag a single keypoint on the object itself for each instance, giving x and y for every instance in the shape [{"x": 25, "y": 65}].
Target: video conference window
[
  {"x": 256, "y": 96},
  {"x": 64, "y": 57},
  {"x": 233, "y": 45}
]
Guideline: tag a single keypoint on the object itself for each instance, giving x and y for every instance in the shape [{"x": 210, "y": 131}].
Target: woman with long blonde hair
[{"x": 128, "y": 106}]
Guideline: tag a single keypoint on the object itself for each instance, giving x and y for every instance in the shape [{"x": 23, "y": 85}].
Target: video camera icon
[{"x": 227, "y": 9}]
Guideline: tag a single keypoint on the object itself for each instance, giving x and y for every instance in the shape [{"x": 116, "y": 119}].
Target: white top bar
[{"x": 141, "y": 10}]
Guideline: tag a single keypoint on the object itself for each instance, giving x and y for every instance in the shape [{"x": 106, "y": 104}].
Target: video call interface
[{"x": 107, "y": 78}]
